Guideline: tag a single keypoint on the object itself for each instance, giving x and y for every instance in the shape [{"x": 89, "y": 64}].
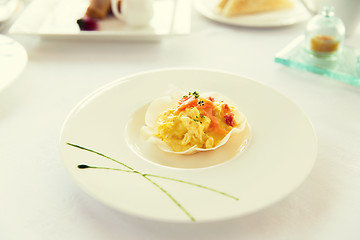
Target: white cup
[
  {"x": 135, "y": 13},
  {"x": 347, "y": 10}
]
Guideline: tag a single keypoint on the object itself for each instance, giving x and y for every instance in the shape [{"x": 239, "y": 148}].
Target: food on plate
[
  {"x": 87, "y": 24},
  {"x": 231, "y": 8},
  {"x": 324, "y": 44},
  {"x": 98, "y": 9},
  {"x": 191, "y": 123}
]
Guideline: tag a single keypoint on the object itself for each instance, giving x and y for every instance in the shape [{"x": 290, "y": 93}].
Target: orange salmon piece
[
  {"x": 186, "y": 102},
  {"x": 207, "y": 106}
]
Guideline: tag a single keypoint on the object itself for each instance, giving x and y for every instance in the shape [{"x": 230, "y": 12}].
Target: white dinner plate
[
  {"x": 13, "y": 59},
  {"x": 277, "y": 18},
  {"x": 57, "y": 19},
  {"x": 8, "y": 9},
  {"x": 103, "y": 131}
]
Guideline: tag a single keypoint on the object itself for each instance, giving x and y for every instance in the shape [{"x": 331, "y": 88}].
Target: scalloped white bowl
[{"x": 162, "y": 104}]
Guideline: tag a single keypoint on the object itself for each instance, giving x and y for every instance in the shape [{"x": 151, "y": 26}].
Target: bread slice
[
  {"x": 222, "y": 4},
  {"x": 98, "y": 9},
  {"x": 231, "y": 8}
]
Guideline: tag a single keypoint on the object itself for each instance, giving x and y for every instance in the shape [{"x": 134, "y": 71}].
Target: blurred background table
[{"x": 39, "y": 200}]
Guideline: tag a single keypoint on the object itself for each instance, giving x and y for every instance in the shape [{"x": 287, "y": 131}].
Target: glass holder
[{"x": 345, "y": 66}]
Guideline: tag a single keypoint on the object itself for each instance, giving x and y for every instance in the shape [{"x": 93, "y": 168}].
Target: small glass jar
[{"x": 325, "y": 34}]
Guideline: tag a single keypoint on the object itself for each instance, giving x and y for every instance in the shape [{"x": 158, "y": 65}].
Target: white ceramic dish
[
  {"x": 277, "y": 160},
  {"x": 164, "y": 103},
  {"x": 8, "y": 9},
  {"x": 278, "y": 18},
  {"x": 13, "y": 59},
  {"x": 57, "y": 19}
]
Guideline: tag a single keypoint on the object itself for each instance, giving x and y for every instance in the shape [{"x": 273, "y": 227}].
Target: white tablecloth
[{"x": 39, "y": 200}]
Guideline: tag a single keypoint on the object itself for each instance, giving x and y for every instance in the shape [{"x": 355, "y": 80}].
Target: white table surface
[{"x": 39, "y": 200}]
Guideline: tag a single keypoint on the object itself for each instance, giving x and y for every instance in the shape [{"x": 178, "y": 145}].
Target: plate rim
[
  {"x": 22, "y": 65},
  {"x": 223, "y": 20}
]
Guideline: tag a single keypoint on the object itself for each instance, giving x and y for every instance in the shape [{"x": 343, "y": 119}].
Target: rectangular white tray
[{"x": 57, "y": 19}]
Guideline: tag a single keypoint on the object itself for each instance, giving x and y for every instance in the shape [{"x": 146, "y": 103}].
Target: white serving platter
[
  {"x": 298, "y": 13},
  {"x": 57, "y": 19}
]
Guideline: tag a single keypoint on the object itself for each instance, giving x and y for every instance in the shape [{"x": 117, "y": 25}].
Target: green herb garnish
[
  {"x": 196, "y": 94},
  {"x": 148, "y": 177}
]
